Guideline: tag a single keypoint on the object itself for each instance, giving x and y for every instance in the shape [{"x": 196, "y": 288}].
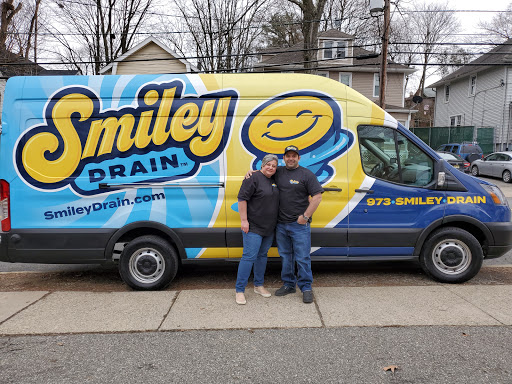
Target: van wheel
[
  {"x": 506, "y": 176},
  {"x": 148, "y": 263},
  {"x": 451, "y": 255}
]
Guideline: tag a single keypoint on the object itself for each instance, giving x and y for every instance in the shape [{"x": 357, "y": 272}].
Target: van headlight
[{"x": 496, "y": 195}]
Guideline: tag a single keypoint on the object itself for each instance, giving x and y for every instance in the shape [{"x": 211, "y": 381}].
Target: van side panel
[{"x": 87, "y": 147}]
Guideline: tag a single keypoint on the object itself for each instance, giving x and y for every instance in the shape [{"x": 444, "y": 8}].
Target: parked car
[
  {"x": 498, "y": 164},
  {"x": 468, "y": 151},
  {"x": 456, "y": 161}
]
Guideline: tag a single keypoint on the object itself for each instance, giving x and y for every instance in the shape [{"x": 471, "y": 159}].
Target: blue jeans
[
  {"x": 253, "y": 258},
  {"x": 294, "y": 246}
]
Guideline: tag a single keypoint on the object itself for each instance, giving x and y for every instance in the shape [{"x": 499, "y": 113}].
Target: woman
[{"x": 258, "y": 205}]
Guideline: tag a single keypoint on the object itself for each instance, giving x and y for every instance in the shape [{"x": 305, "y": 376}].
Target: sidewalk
[{"x": 34, "y": 313}]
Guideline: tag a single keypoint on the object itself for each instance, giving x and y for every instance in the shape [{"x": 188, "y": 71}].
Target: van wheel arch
[
  {"x": 145, "y": 228},
  {"x": 469, "y": 224}
]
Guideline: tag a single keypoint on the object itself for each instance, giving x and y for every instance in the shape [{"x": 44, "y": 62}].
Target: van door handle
[
  {"x": 333, "y": 189},
  {"x": 370, "y": 191}
]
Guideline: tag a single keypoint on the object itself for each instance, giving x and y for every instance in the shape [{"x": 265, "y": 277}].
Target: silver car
[{"x": 497, "y": 164}]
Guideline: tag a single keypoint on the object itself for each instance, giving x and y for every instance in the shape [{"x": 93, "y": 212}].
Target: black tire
[
  {"x": 474, "y": 170},
  {"x": 451, "y": 255},
  {"x": 148, "y": 263},
  {"x": 506, "y": 176}
]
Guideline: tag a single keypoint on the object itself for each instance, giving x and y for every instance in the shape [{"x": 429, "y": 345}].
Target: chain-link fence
[{"x": 437, "y": 136}]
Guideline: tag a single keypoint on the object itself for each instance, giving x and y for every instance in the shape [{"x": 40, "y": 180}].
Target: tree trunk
[
  {"x": 33, "y": 27},
  {"x": 8, "y": 12}
]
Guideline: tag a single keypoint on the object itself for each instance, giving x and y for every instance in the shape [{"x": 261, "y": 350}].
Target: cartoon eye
[
  {"x": 274, "y": 122},
  {"x": 303, "y": 111}
]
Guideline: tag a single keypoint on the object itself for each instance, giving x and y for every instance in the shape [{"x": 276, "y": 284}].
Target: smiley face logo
[
  {"x": 310, "y": 120},
  {"x": 298, "y": 120}
]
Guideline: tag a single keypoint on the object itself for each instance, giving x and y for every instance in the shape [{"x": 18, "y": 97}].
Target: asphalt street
[{"x": 341, "y": 355}]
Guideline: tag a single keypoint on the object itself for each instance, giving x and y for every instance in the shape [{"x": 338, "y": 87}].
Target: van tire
[
  {"x": 474, "y": 170},
  {"x": 506, "y": 176},
  {"x": 148, "y": 263},
  {"x": 451, "y": 255}
]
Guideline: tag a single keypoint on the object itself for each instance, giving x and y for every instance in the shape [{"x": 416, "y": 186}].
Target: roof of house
[
  {"x": 59, "y": 72},
  {"x": 502, "y": 54},
  {"x": 138, "y": 47},
  {"x": 12, "y": 64},
  {"x": 294, "y": 55}
]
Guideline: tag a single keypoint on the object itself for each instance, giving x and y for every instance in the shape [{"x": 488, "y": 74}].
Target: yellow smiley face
[{"x": 297, "y": 120}]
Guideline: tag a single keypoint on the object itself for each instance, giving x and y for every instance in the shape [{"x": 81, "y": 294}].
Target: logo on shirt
[
  {"x": 274, "y": 185},
  {"x": 310, "y": 120},
  {"x": 294, "y": 181}
]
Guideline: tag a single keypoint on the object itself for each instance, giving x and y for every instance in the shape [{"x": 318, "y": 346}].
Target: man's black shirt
[
  {"x": 295, "y": 185},
  {"x": 262, "y": 196}
]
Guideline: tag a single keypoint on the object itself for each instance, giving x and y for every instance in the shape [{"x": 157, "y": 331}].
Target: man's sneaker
[
  {"x": 285, "y": 290},
  {"x": 307, "y": 297}
]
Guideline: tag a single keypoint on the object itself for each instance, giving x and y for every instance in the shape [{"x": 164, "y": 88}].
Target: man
[{"x": 293, "y": 233}]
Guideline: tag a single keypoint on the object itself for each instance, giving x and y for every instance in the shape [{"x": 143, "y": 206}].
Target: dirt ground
[{"x": 107, "y": 279}]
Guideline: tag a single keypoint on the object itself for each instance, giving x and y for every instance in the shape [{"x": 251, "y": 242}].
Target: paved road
[{"x": 339, "y": 355}]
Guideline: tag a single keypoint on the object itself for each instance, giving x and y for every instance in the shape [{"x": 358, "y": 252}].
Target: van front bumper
[{"x": 502, "y": 234}]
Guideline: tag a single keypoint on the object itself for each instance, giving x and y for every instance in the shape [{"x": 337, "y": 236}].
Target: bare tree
[
  {"x": 311, "y": 19},
  {"x": 32, "y": 32},
  {"x": 223, "y": 34},
  {"x": 429, "y": 27},
  {"x": 283, "y": 29},
  {"x": 500, "y": 27},
  {"x": 99, "y": 31},
  {"x": 350, "y": 16},
  {"x": 8, "y": 13}
]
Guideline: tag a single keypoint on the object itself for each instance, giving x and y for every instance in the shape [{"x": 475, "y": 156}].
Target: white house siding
[{"x": 484, "y": 109}]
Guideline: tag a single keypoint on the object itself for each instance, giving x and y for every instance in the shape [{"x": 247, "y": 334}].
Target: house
[
  {"x": 479, "y": 94},
  {"x": 12, "y": 64},
  {"x": 150, "y": 56},
  {"x": 354, "y": 66},
  {"x": 424, "y": 117}
]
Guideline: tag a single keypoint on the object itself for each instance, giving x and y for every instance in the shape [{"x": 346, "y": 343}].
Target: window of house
[
  {"x": 323, "y": 73},
  {"x": 346, "y": 78},
  {"x": 446, "y": 93},
  {"x": 335, "y": 49},
  {"x": 472, "y": 85},
  {"x": 376, "y": 85},
  {"x": 455, "y": 121}
]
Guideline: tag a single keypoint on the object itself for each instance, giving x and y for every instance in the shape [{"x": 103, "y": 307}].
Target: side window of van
[{"x": 388, "y": 155}]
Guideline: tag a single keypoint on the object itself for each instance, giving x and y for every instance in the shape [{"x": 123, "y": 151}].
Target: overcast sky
[{"x": 469, "y": 20}]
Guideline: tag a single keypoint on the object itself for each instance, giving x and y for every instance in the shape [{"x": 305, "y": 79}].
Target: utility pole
[{"x": 384, "y": 56}]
